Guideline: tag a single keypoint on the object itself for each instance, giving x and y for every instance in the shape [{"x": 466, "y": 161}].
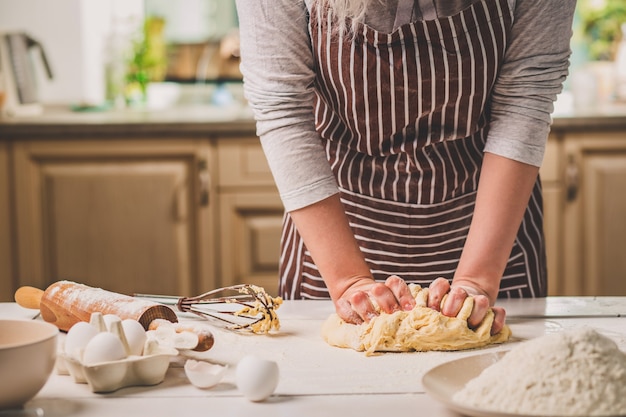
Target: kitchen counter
[
  {"x": 317, "y": 379},
  {"x": 188, "y": 120},
  {"x": 202, "y": 119},
  {"x": 602, "y": 117}
]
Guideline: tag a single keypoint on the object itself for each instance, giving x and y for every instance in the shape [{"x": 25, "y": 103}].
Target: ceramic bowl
[{"x": 27, "y": 355}]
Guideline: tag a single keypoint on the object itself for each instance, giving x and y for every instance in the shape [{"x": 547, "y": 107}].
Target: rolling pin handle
[{"x": 29, "y": 297}]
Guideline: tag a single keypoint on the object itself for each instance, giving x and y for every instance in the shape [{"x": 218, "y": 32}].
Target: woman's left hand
[{"x": 456, "y": 295}]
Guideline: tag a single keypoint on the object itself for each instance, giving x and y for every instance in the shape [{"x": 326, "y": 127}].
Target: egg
[
  {"x": 135, "y": 336},
  {"x": 204, "y": 374},
  {"x": 103, "y": 347},
  {"x": 256, "y": 378},
  {"x": 77, "y": 338}
]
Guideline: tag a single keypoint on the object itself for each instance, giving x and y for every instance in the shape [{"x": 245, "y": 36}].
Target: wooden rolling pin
[{"x": 66, "y": 303}]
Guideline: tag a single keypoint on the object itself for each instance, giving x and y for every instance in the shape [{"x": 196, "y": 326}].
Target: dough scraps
[{"x": 421, "y": 329}]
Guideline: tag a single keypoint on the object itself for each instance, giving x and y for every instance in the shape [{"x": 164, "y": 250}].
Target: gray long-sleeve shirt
[{"x": 278, "y": 69}]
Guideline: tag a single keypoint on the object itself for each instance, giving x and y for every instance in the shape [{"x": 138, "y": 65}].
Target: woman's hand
[
  {"x": 366, "y": 298},
  {"x": 456, "y": 295}
]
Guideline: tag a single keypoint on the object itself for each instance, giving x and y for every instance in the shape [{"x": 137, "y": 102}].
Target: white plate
[{"x": 445, "y": 380}]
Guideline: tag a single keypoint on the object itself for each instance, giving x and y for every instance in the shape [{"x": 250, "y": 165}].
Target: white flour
[{"x": 574, "y": 373}]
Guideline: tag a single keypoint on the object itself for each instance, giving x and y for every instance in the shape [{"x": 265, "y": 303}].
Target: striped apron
[{"x": 404, "y": 119}]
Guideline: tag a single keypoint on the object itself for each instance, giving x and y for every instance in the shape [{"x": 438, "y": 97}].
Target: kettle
[{"x": 18, "y": 81}]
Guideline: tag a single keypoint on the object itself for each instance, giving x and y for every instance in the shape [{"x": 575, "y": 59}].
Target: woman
[{"x": 379, "y": 117}]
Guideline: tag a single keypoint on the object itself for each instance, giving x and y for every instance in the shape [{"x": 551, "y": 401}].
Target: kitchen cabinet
[
  {"x": 552, "y": 197},
  {"x": 594, "y": 220},
  {"x": 585, "y": 212},
  {"x": 123, "y": 214},
  {"x": 6, "y": 262},
  {"x": 181, "y": 202},
  {"x": 251, "y": 215},
  {"x": 136, "y": 203}
]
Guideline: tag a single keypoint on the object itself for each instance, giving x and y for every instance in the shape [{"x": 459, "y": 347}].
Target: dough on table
[{"x": 420, "y": 329}]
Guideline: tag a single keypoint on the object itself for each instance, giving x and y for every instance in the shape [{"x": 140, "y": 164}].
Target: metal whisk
[{"x": 237, "y": 307}]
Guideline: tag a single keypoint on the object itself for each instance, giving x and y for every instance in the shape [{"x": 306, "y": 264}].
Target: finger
[
  {"x": 454, "y": 302},
  {"x": 401, "y": 291},
  {"x": 361, "y": 304},
  {"x": 437, "y": 289},
  {"x": 346, "y": 313},
  {"x": 498, "y": 320},
  {"x": 384, "y": 297},
  {"x": 481, "y": 307}
]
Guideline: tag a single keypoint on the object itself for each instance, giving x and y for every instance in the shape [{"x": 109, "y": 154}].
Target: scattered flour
[{"x": 573, "y": 373}]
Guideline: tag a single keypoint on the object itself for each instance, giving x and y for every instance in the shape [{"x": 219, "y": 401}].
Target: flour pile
[{"x": 574, "y": 373}]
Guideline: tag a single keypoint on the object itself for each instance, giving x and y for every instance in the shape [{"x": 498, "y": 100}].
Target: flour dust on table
[
  {"x": 420, "y": 329},
  {"x": 572, "y": 373}
]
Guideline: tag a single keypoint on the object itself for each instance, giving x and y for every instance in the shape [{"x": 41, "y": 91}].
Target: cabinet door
[
  {"x": 124, "y": 215},
  {"x": 251, "y": 215},
  {"x": 595, "y": 217},
  {"x": 250, "y": 231},
  {"x": 6, "y": 261},
  {"x": 552, "y": 212}
]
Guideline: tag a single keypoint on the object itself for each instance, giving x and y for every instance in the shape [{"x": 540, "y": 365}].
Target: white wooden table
[{"x": 316, "y": 379}]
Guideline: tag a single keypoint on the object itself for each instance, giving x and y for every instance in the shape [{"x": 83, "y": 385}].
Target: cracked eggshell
[
  {"x": 167, "y": 335},
  {"x": 204, "y": 374},
  {"x": 256, "y": 378}
]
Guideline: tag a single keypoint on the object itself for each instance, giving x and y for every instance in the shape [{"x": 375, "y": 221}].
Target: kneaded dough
[{"x": 420, "y": 329}]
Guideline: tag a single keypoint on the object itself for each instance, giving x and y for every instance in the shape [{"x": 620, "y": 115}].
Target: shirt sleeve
[
  {"x": 278, "y": 69},
  {"x": 531, "y": 76}
]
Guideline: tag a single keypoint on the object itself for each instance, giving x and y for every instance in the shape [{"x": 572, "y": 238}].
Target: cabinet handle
[
  {"x": 205, "y": 182},
  {"x": 571, "y": 178}
]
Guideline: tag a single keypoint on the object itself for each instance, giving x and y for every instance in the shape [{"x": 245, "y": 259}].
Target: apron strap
[
  {"x": 404, "y": 13},
  {"x": 428, "y": 9},
  {"x": 407, "y": 10}
]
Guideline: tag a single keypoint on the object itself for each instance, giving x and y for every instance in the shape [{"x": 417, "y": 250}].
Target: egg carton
[
  {"x": 148, "y": 368},
  {"x": 131, "y": 371}
]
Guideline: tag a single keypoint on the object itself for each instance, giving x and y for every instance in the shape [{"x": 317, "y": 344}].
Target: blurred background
[
  {"x": 104, "y": 51},
  {"x": 129, "y": 157},
  {"x": 107, "y": 51}
]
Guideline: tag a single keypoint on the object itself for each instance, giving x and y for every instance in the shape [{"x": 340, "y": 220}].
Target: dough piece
[{"x": 420, "y": 329}]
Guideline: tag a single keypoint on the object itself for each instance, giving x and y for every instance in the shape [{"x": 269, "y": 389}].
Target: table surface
[{"x": 315, "y": 378}]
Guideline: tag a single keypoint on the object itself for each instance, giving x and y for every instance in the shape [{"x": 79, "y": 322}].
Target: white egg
[
  {"x": 204, "y": 374},
  {"x": 103, "y": 347},
  {"x": 77, "y": 338},
  {"x": 135, "y": 336},
  {"x": 256, "y": 378}
]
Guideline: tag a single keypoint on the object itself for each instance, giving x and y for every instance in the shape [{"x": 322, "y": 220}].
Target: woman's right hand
[
  {"x": 366, "y": 298},
  {"x": 456, "y": 295}
]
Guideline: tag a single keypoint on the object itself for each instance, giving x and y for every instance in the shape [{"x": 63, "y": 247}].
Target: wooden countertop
[
  {"x": 315, "y": 378},
  {"x": 207, "y": 120},
  {"x": 187, "y": 120},
  {"x": 603, "y": 117}
]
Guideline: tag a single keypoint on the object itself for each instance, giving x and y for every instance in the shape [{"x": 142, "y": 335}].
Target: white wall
[{"x": 73, "y": 33}]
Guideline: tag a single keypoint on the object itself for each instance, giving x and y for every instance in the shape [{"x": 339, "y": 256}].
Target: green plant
[
  {"x": 148, "y": 62},
  {"x": 600, "y": 26}
]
